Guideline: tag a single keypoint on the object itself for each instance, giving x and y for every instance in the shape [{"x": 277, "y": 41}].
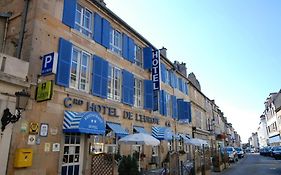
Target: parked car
[
  {"x": 272, "y": 149},
  {"x": 265, "y": 151},
  {"x": 277, "y": 152},
  {"x": 240, "y": 152},
  {"x": 232, "y": 154}
]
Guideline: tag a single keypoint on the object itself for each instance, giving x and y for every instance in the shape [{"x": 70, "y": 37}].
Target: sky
[{"x": 232, "y": 46}]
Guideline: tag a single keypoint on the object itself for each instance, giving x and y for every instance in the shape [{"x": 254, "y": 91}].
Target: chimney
[
  {"x": 163, "y": 51},
  {"x": 180, "y": 67}
]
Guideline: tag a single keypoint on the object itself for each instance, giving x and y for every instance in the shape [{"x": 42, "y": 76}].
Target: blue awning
[
  {"x": 117, "y": 129},
  {"x": 83, "y": 122},
  {"x": 162, "y": 133},
  {"x": 140, "y": 129}
]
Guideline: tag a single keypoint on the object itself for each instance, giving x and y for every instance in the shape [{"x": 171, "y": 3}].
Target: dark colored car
[
  {"x": 240, "y": 152},
  {"x": 272, "y": 149},
  {"x": 276, "y": 153}
]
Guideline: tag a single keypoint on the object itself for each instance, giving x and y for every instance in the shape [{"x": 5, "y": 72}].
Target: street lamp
[{"x": 21, "y": 102}]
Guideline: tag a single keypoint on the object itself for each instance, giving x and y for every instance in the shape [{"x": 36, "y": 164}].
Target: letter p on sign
[{"x": 49, "y": 63}]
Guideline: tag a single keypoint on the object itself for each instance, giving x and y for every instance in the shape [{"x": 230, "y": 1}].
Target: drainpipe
[
  {"x": 23, "y": 22},
  {"x": 7, "y": 16}
]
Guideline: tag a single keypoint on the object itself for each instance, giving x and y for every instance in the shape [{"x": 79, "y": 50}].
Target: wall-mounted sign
[
  {"x": 156, "y": 69},
  {"x": 54, "y": 131},
  {"x": 33, "y": 128},
  {"x": 44, "y": 130},
  {"x": 49, "y": 63},
  {"x": 110, "y": 111},
  {"x": 44, "y": 91},
  {"x": 56, "y": 147},
  {"x": 47, "y": 147},
  {"x": 31, "y": 140}
]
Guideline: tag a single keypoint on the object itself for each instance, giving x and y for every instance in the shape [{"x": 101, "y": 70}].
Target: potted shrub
[{"x": 128, "y": 165}]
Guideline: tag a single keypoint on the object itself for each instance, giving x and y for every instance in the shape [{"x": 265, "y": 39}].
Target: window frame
[
  {"x": 115, "y": 45},
  {"x": 80, "y": 26},
  {"x": 138, "y": 55},
  {"x": 79, "y": 65},
  {"x": 114, "y": 84},
  {"x": 138, "y": 92}
]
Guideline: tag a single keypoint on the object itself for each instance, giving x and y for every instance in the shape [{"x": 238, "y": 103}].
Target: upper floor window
[
  {"x": 169, "y": 104},
  {"x": 138, "y": 92},
  {"x": 138, "y": 56},
  {"x": 114, "y": 83},
  {"x": 80, "y": 69},
  {"x": 115, "y": 41},
  {"x": 83, "y": 20}
]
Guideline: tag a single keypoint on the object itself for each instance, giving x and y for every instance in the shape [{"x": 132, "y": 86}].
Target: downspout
[
  {"x": 8, "y": 15},
  {"x": 23, "y": 22}
]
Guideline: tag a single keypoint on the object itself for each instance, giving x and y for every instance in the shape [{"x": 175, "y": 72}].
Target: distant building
[{"x": 262, "y": 133}]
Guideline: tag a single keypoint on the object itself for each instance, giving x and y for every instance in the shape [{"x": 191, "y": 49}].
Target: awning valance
[
  {"x": 140, "y": 129},
  {"x": 162, "y": 133},
  {"x": 83, "y": 122},
  {"x": 117, "y": 129}
]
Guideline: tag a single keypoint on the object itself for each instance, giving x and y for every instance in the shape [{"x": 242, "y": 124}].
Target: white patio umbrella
[{"x": 139, "y": 139}]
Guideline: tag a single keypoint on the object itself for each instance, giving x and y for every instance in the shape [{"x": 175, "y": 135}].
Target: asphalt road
[{"x": 253, "y": 164}]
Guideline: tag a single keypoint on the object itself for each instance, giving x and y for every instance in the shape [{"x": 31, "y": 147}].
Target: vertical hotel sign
[{"x": 155, "y": 77}]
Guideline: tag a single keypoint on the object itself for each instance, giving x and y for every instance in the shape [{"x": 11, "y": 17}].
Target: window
[
  {"x": 138, "y": 56},
  {"x": 138, "y": 92},
  {"x": 169, "y": 104},
  {"x": 72, "y": 154},
  {"x": 80, "y": 69},
  {"x": 83, "y": 20},
  {"x": 114, "y": 83},
  {"x": 180, "y": 144},
  {"x": 170, "y": 145},
  {"x": 116, "y": 41}
]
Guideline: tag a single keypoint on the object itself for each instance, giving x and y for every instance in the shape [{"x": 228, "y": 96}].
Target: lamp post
[{"x": 21, "y": 102}]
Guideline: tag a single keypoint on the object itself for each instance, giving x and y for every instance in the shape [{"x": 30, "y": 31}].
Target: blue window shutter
[
  {"x": 165, "y": 103},
  {"x": 180, "y": 108},
  {"x": 172, "y": 79},
  {"x": 105, "y": 33},
  {"x": 125, "y": 50},
  {"x": 188, "y": 111},
  {"x": 175, "y": 81},
  {"x": 69, "y": 10},
  {"x": 147, "y": 58},
  {"x": 128, "y": 88},
  {"x": 98, "y": 28},
  {"x": 148, "y": 94},
  {"x": 64, "y": 61},
  {"x": 161, "y": 103},
  {"x": 100, "y": 77},
  {"x": 131, "y": 50},
  {"x": 175, "y": 111},
  {"x": 163, "y": 72}
]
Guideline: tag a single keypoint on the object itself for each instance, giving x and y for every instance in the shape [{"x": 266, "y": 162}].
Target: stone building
[{"x": 91, "y": 83}]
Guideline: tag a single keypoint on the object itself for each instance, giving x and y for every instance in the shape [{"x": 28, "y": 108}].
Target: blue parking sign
[{"x": 49, "y": 63}]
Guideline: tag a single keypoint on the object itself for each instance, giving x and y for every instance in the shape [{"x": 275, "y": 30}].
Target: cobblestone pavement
[{"x": 253, "y": 164}]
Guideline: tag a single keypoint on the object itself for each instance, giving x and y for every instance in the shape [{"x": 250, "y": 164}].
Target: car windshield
[
  {"x": 238, "y": 149},
  {"x": 278, "y": 149}
]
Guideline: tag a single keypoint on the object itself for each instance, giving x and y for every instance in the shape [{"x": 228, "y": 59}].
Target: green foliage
[{"x": 128, "y": 165}]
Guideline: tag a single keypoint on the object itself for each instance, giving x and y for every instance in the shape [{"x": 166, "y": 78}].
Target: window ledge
[
  {"x": 74, "y": 31},
  {"x": 76, "y": 92}
]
